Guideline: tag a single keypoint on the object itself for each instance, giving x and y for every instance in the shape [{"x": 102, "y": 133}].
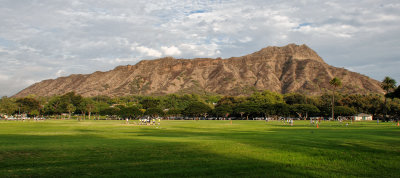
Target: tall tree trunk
[
  {"x": 333, "y": 104},
  {"x": 384, "y": 109},
  {"x": 89, "y": 114}
]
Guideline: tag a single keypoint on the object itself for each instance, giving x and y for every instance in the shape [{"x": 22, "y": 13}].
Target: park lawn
[{"x": 67, "y": 148}]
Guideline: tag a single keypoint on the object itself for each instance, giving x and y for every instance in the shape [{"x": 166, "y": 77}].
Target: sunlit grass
[{"x": 59, "y": 148}]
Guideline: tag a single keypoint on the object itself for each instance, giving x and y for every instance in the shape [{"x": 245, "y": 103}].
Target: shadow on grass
[
  {"x": 88, "y": 155},
  {"x": 182, "y": 151},
  {"x": 361, "y": 152}
]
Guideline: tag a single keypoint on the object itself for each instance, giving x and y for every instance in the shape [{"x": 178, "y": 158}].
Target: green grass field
[{"x": 65, "y": 148}]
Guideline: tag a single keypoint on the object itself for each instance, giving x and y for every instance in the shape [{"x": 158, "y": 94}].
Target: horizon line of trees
[{"x": 258, "y": 104}]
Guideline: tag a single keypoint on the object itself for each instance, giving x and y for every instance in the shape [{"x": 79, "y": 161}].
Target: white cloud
[
  {"x": 118, "y": 61},
  {"x": 209, "y": 50},
  {"x": 57, "y": 38},
  {"x": 148, "y": 51},
  {"x": 3, "y": 50},
  {"x": 4, "y": 77},
  {"x": 60, "y": 73},
  {"x": 246, "y": 39},
  {"x": 335, "y": 30},
  {"x": 171, "y": 51}
]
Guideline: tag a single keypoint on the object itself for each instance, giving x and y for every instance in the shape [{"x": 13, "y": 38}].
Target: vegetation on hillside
[{"x": 258, "y": 104}]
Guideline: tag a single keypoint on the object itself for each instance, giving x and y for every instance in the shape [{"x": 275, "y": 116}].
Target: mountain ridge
[{"x": 291, "y": 68}]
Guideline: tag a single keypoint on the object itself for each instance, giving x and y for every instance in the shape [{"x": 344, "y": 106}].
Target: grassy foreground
[{"x": 60, "y": 148}]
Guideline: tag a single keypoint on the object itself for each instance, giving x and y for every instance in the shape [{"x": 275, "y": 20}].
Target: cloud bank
[{"x": 47, "y": 39}]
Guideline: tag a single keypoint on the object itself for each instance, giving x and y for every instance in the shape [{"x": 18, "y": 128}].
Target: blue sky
[{"x": 51, "y": 38}]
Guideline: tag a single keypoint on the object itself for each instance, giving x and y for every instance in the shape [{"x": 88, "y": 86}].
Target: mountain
[{"x": 291, "y": 68}]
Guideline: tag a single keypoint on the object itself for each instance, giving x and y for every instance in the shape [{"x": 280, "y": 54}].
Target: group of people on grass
[
  {"x": 288, "y": 121},
  {"x": 147, "y": 121}
]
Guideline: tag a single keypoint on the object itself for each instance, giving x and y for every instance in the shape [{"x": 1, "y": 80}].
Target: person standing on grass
[{"x": 127, "y": 121}]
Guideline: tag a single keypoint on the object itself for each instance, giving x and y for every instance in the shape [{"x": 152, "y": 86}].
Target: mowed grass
[{"x": 68, "y": 148}]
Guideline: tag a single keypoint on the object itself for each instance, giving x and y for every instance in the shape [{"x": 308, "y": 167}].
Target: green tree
[
  {"x": 8, "y": 106},
  {"x": 387, "y": 84},
  {"x": 358, "y": 102},
  {"x": 395, "y": 93},
  {"x": 268, "y": 109},
  {"x": 87, "y": 105},
  {"x": 227, "y": 100},
  {"x": 303, "y": 110},
  {"x": 394, "y": 110},
  {"x": 212, "y": 98},
  {"x": 130, "y": 112},
  {"x": 54, "y": 106},
  {"x": 324, "y": 104},
  {"x": 34, "y": 113},
  {"x": 197, "y": 109},
  {"x": 26, "y": 105},
  {"x": 103, "y": 99},
  {"x": 100, "y": 106},
  {"x": 71, "y": 98},
  {"x": 180, "y": 102},
  {"x": 282, "y": 109},
  {"x": 90, "y": 106},
  {"x": 335, "y": 83},
  {"x": 223, "y": 110},
  {"x": 174, "y": 112},
  {"x": 375, "y": 104},
  {"x": 344, "y": 111},
  {"x": 247, "y": 108},
  {"x": 70, "y": 108},
  {"x": 110, "y": 111},
  {"x": 154, "y": 112},
  {"x": 295, "y": 98},
  {"x": 150, "y": 102},
  {"x": 266, "y": 97}
]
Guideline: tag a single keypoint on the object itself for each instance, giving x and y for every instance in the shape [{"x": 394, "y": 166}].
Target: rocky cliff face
[{"x": 292, "y": 68}]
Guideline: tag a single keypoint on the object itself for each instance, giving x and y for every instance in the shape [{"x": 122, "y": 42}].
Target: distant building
[{"x": 363, "y": 117}]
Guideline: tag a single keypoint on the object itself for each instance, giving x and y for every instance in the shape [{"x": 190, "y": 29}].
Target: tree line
[{"x": 259, "y": 104}]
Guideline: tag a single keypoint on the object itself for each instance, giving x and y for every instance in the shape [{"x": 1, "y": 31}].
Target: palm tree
[
  {"x": 335, "y": 83},
  {"x": 387, "y": 84},
  {"x": 70, "y": 108}
]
